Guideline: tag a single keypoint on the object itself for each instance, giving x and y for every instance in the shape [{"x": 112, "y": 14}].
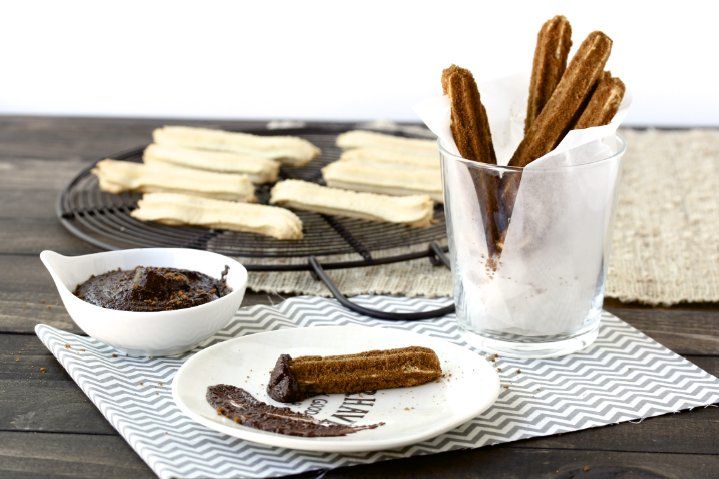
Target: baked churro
[
  {"x": 470, "y": 130},
  {"x": 550, "y": 60},
  {"x": 560, "y": 113},
  {"x": 176, "y": 209},
  {"x": 566, "y": 103},
  {"x": 603, "y": 104},
  {"x": 416, "y": 210},
  {"x": 469, "y": 123},
  {"x": 294, "y": 379}
]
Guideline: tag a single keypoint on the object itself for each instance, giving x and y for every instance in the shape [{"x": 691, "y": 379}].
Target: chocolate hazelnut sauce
[
  {"x": 152, "y": 289},
  {"x": 240, "y": 406}
]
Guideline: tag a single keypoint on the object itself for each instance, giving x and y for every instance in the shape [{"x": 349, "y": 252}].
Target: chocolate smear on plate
[{"x": 240, "y": 406}]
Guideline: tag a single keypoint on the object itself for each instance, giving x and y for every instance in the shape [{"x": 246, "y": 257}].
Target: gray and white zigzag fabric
[{"x": 623, "y": 376}]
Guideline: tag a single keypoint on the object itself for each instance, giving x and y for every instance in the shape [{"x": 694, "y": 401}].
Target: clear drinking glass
[{"x": 529, "y": 247}]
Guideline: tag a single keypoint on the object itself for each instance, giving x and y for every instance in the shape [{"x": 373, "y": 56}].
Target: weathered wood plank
[
  {"x": 28, "y": 455},
  {"x": 53, "y": 455},
  {"x": 686, "y": 329},
  {"x": 54, "y": 389},
  {"x": 85, "y": 138},
  {"x": 509, "y": 462},
  {"x": 48, "y": 406},
  {"x": 28, "y": 297},
  {"x": 29, "y": 236}
]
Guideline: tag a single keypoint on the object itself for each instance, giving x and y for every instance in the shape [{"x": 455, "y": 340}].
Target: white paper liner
[{"x": 551, "y": 268}]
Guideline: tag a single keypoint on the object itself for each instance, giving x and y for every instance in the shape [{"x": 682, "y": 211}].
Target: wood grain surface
[{"x": 48, "y": 428}]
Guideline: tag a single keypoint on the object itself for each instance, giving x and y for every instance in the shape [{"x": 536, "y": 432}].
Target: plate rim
[{"x": 330, "y": 444}]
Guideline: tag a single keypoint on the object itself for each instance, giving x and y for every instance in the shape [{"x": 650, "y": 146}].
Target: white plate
[{"x": 469, "y": 386}]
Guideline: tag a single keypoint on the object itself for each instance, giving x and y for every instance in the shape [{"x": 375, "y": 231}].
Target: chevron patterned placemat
[{"x": 624, "y": 375}]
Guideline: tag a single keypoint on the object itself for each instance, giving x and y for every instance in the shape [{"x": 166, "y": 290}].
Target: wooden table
[{"x": 48, "y": 428}]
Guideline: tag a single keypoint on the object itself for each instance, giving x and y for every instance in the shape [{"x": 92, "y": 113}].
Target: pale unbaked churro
[
  {"x": 370, "y": 139},
  {"x": 385, "y": 179},
  {"x": 259, "y": 170},
  {"x": 177, "y": 209},
  {"x": 290, "y": 150},
  {"x": 391, "y": 158},
  {"x": 416, "y": 210},
  {"x": 118, "y": 176}
]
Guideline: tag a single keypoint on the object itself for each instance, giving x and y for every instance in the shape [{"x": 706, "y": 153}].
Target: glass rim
[{"x": 479, "y": 164}]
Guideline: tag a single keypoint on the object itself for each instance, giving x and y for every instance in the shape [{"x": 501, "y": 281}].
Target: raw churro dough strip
[
  {"x": 259, "y": 170},
  {"x": 294, "y": 379},
  {"x": 414, "y": 210},
  {"x": 384, "y": 179},
  {"x": 603, "y": 104},
  {"x": 550, "y": 60},
  {"x": 118, "y": 176},
  {"x": 470, "y": 129},
  {"x": 561, "y": 111},
  {"x": 389, "y": 157},
  {"x": 176, "y": 209},
  {"x": 370, "y": 139},
  {"x": 290, "y": 150}
]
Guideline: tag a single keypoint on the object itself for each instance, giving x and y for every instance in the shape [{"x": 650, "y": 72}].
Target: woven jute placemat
[{"x": 665, "y": 240}]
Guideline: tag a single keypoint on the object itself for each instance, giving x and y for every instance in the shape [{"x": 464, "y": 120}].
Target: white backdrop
[{"x": 331, "y": 60}]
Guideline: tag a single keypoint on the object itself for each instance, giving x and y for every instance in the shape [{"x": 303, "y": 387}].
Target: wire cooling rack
[{"x": 103, "y": 219}]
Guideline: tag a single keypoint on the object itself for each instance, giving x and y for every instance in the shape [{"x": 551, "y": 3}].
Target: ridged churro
[
  {"x": 565, "y": 105},
  {"x": 371, "y": 139},
  {"x": 416, "y": 210},
  {"x": 560, "y": 112},
  {"x": 176, "y": 209},
  {"x": 604, "y": 102},
  {"x": 117, "y": 176},
  {"x": 258, "y": 169},
  {"x": 294, "y": 379},
  {"x": 384, "y": 178},
  {"x": 470, "y": 130},
  {"x": 550, "y": 61},
  {"x": 389, "y": 157},
  {"x": 469, "y": 123},
  {"x": 290, "y": 150}
]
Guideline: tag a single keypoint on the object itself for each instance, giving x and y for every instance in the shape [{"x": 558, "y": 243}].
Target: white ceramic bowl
[{"x": 160, "y": 333}]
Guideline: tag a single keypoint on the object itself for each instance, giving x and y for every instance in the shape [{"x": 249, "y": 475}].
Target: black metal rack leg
[{"x": 437, "y": 257}]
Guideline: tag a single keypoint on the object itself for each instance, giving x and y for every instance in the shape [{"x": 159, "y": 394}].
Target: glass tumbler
[{"x": 529, "y": 247}]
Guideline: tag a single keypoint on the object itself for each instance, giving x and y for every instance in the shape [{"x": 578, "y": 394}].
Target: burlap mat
[{"x": 665, "y": 241}]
